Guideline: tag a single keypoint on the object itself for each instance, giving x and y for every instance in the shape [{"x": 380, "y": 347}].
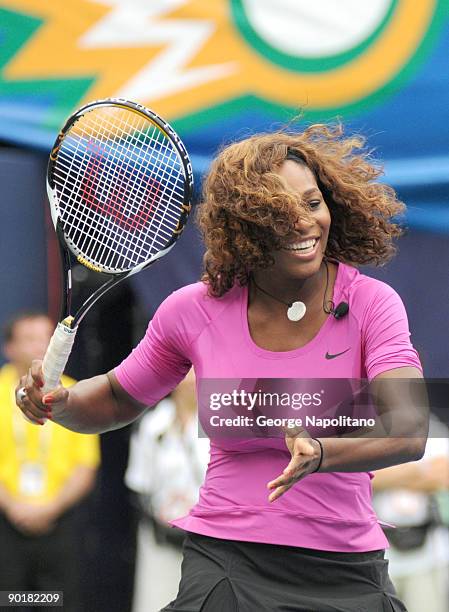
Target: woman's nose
[{"x": 303, "y": 226}]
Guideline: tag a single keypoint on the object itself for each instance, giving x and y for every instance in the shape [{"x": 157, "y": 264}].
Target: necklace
[{"x": 296, "y": 310}]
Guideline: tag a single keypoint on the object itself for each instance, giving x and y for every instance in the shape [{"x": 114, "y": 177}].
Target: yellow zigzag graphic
[
  {"x": 185, "y": 55},
  {"x": 118, "y": 42}
]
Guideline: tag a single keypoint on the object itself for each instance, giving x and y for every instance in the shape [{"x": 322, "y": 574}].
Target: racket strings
[
  {"x": 122, "y": 240},
  {"x": 92, "y": 236},
  {"x": 94, "y": 150},
  {"x": 116, "y": 150},
  {"x": 120, "y": 188},
  {"x": 107, "y": 173},
  {"x": 117, "y": 173}
]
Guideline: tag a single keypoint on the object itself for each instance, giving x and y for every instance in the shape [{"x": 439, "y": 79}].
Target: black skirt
[{"x": 232, "y": 576}]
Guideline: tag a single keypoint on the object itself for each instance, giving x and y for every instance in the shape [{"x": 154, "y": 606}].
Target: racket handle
[{"x": 57, "y": 354}]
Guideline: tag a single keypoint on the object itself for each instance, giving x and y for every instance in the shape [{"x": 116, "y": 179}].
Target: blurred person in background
[
  {"x": 45, "y": 471},
  {"x": 167, "y": 465},
  {"x": 407, "y": 496}
]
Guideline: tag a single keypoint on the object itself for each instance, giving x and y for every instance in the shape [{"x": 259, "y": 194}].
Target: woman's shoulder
[
  {"x": 366, "y": 294},
  {"x": 191, "y": 308},
  {"x": 196, "y": 296},
  {"x": 188, "y": 294},
  {"x": 365, "y": 288}
]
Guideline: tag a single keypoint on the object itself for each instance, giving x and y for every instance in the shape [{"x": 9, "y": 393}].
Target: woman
[{"x": 285, "y": 219}]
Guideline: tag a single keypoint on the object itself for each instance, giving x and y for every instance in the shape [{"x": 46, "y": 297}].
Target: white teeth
[{"x": 301, "y": 246}]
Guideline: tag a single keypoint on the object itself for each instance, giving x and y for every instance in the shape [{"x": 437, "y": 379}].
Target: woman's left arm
[{"x": 407, "y": 416}]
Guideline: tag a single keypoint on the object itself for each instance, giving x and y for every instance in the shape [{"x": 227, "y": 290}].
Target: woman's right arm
[
  {"x": 94, "y": 405},
  {"x": 109, "y": 401}
]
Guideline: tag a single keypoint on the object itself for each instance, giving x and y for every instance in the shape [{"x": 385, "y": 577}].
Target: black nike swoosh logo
[{"x": 329, "y": 356}]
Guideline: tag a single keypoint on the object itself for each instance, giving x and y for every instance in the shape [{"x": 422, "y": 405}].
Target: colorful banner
[
  {"x": 219, "y": 68},
  {"x": 187, "y": 57}
]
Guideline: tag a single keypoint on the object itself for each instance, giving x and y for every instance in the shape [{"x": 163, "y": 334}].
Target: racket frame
[{"x": 68, "y": 251}]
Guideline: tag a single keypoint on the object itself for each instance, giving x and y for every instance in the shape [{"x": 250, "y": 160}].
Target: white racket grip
[{"x": 57, "y": 354}]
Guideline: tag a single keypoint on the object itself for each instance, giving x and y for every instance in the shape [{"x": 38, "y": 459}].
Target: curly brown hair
[{"x": 248, "y": 208}]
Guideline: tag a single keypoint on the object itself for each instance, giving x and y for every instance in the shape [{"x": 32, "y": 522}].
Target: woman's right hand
[{"x": 35, "y": 404}]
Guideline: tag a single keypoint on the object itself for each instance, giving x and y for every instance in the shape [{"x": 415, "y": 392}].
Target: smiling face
[{"x": 303, "y": 252}]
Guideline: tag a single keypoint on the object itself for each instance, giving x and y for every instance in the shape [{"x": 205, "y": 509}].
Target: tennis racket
[{"x": 119, "y": 185}]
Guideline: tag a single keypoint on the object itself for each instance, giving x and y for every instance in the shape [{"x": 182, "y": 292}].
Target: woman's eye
[{"x": 314, "y": 204}]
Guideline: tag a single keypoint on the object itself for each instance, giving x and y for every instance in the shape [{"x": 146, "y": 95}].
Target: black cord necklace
[{"x": 296, "y": 310}]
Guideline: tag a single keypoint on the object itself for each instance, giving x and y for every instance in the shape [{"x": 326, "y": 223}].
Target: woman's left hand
[{"x": 306, "y": 456}]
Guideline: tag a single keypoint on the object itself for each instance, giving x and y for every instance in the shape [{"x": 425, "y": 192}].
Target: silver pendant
[{"x": 296, "y": 311}]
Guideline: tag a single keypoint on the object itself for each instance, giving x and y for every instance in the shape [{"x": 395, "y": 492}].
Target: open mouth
[{"x": 304, "y": 246}]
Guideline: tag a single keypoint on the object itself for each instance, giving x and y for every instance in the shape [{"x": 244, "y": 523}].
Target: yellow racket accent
[{"x": 87, "y": 264}]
